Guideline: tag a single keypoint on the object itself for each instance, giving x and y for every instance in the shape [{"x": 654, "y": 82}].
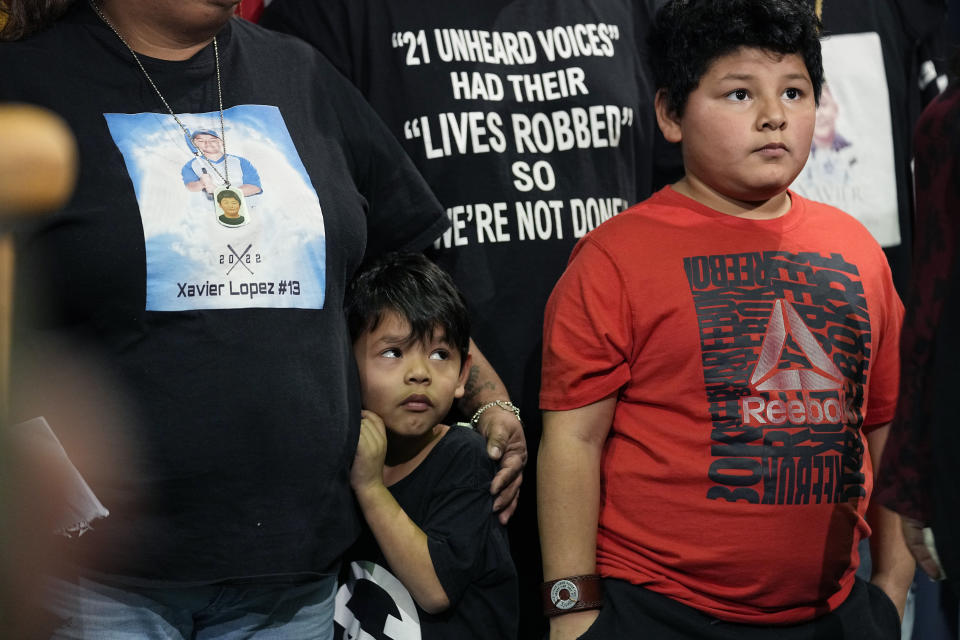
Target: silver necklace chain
[{"x": 225, "y": 176}]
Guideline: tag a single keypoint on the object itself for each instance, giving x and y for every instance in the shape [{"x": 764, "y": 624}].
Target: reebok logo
[{"x": 791, "y": 360}]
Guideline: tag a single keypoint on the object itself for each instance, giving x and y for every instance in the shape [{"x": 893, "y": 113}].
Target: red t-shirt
[{"x": 747, "y": 356}]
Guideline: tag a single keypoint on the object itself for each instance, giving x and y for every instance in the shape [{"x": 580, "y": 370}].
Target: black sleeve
[
  {"x": 325, "y": 24},
  {"x": 459, "y": 523},
  {"x": 402, "y": 211},
  {"x": 403, "y": 214}
]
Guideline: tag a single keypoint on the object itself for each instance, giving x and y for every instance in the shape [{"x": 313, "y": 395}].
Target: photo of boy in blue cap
[{"x": 207, "y": 171}]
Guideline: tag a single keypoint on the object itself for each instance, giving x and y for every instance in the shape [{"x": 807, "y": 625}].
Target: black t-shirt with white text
[{"x": 532, "y": 122}]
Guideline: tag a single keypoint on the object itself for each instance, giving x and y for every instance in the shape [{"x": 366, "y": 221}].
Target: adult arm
[
  {"x": 893, "y": 565},
  {"x": 503, "y": 431},
  {"x": 402, "y": 542},
  {"x": 568, "y": 500}
]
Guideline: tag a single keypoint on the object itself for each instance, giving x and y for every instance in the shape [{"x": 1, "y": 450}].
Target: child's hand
[{"x": 367, "y": 467}]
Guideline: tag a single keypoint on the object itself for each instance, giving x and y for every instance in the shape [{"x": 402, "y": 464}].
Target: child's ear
[
  {"x": 464, "y": 374},
  {"x": 667, "y": 119}
]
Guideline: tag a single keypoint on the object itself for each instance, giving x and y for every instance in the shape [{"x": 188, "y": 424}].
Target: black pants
[{"x": 634, "y": 612}]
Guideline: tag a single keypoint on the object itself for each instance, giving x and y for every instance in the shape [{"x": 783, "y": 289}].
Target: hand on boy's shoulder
[
  {"x": 507, "y": 445},
  {"x": 368, "y": 461}
]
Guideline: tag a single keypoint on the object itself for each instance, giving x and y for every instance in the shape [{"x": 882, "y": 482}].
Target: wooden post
[{"x": 38, "y": 170}]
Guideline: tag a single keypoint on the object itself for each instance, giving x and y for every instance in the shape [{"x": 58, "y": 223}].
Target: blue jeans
[{"x": 99, "y": 611}]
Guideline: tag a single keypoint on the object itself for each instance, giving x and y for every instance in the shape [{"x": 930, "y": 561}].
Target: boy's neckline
[
  {"x": 770, "y": 209},
  {"x": 394, "y": 474}
]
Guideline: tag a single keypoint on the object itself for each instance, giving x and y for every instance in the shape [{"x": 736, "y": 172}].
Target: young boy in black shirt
[{"x": 438, "y": 560}]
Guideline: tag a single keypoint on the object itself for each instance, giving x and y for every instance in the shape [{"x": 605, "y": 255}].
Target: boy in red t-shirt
[{"x": 720, "y": 367}]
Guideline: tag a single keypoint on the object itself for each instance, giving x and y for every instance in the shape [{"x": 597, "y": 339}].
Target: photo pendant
[{"x": 230, "y": 207}]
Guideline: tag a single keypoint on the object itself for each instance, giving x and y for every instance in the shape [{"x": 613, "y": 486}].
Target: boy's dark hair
[
  {"x": 227, "y": 193},
  {"x": 688, "y": 35},
  {"x": 414, "y": 288}
]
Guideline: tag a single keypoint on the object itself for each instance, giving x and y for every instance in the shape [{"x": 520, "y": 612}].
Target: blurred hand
[{"x": 922, "y": 549}]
